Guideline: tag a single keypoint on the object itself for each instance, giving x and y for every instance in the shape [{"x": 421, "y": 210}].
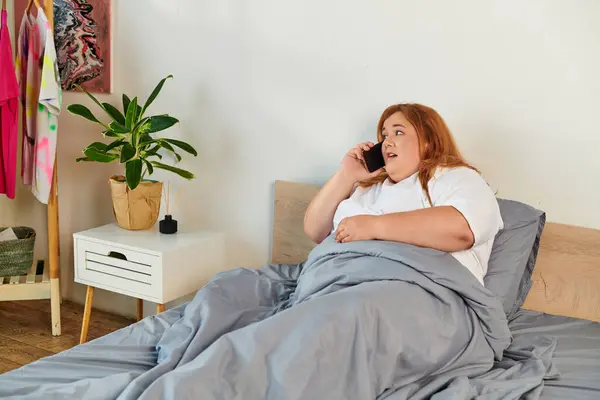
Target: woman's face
[{"x": 400, "y": 147}]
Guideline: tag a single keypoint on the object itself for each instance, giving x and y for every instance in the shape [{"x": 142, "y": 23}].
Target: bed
[
  {"x": 563, "y": 304},
  {"x": 577, "y": 354}
]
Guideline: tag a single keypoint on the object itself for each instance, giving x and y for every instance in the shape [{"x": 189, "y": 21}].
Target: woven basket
[{"x": 16, "y": 256}]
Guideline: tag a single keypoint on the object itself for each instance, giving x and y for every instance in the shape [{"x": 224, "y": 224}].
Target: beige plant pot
[{"x": 136, "y": 209}]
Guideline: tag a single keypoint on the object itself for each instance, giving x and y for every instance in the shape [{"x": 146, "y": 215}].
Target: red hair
[{"x": 436, "y": 144}]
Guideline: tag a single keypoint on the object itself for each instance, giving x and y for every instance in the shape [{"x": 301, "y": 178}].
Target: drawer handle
[{"x": 116, "y": 254}]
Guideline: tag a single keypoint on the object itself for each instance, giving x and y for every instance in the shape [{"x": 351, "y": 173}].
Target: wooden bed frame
[{"x": 566, "y": 278}]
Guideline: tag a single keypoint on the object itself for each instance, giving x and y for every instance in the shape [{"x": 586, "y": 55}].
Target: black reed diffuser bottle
[{"x": 168, "y": 225}]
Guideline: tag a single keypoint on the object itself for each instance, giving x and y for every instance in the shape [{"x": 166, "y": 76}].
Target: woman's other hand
[
  {"x": 358, "y": 227},
  {"x": 354, "y": 166}
]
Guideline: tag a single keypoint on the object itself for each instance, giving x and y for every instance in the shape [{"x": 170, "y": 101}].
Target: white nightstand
[{"x": 147, "y": 265}]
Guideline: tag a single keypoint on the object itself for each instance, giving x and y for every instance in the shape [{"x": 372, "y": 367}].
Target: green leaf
[
  {"x": 110, "y": 134},
  {"x": 114, "y": 113},
  {"x": 145, "y": 138},
  {"x": 181, "y": 172},
  {"x": 117, "y": 127},
  {"x": 177, "y": 155},
  {"x": 131, "y": 111},
  {"x": 101, "y": 147},
  {"x": 155, "y": 93},
  {"x": 114, "y": 145},
  {"x": 135, "y": 132},
  {"x": 133, "y": 173},
  {"x": 142, "y": 127},
  {"x": 127, "y": 152},
  {"x": 148, "y": 155},
  {"x": 182, "y": 145},
  {"x": 95, "y": 100},
  {"x": 79, "y": 159},
  {"x": 82, "y": 111},
  {"x": 149, "y": 166},
  {"x": 154, "y": 149},
  {"x": 94, "y": 154},
  {"x": 158, "y": 123},
  {"x": 167, "y": 146},
  {"x": 140, "y": 124},
  {"x": 144, "y": 142},
  {"x": 154, "y": 152},
  {"x": 126, "y": 102}
]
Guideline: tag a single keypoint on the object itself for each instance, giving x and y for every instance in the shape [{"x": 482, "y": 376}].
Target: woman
[{"x": 426, "y": 195}]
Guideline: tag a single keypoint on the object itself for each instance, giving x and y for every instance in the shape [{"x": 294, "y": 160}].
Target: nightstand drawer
[
  {"x": 112, "y": 255},
  {"x": 119, "y": 269},
  {"x": 116, "y": 283},
  {"x": 125, "y": 269}
]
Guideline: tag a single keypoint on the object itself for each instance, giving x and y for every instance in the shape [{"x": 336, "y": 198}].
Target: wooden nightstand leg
[
  {"x": 140, "y": 309},
  {"x": 160, "y": 308},
  {"x": 86, "y": 314}
]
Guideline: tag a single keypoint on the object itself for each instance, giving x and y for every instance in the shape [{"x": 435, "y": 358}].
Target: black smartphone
[{"x": 374, "y": 158}]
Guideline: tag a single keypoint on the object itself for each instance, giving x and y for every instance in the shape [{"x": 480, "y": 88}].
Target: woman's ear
[{"x": 424, "y": 148}]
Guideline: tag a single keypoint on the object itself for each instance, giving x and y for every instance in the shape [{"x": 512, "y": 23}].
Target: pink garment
[{"x": 9, "y": 94}]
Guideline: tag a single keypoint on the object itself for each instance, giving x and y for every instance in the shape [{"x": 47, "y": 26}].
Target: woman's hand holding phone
[
  {"x": 318, "y": 219},
  {"x": 354, "y": 166}
]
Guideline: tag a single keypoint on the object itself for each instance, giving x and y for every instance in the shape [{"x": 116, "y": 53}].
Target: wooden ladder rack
[{"x": 43, "y": 279}]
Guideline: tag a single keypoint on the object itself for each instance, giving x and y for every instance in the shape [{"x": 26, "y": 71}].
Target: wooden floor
[{"x": 25, "y": 334}]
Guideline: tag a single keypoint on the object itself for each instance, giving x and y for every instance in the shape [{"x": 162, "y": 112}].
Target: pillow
[{"x": 514, "y": 253}]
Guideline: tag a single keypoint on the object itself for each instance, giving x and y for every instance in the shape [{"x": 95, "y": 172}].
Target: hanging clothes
[
  {"x": 9, "y": 111},
  {"x": 41, "y": 99}
]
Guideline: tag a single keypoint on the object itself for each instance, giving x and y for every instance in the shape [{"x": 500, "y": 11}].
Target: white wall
[{"x": 277, "y": 89}]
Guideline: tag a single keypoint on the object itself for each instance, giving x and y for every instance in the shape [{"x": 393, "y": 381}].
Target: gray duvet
[{"x": 363, "y": 320}]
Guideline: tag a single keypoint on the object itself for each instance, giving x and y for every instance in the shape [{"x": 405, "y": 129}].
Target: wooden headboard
[{"x": 566, "y": 278}]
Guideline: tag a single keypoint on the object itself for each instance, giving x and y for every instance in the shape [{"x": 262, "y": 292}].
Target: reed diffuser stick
[
  {"x": 176, "y": 202},
  {"x": 171, "y": 204},
  {"x": 168, "y": 196}
]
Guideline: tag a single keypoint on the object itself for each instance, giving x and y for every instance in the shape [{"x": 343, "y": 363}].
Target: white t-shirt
[{"x": 461, "y": 187}]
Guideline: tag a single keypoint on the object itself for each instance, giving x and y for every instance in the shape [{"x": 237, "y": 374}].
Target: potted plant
[{"x": 135, "y": 145}]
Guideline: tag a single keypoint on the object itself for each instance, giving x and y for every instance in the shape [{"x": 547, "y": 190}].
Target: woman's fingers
[
  {"x": 342, "y": 238},
  {"x": 340, "y": 233},
  {"x": 357, "y": 153},
  {"x": 366, "y": 146},
  {"x": 345, "y": 237}
]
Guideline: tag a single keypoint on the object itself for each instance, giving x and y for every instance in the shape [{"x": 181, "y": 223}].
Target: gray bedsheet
[
  {"x": 362, "y": 320},
  {"x": 577, "y": 354}
]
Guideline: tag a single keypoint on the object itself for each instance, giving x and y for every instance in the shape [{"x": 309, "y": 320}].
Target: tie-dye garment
[{"x": 41, "y": 98}]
